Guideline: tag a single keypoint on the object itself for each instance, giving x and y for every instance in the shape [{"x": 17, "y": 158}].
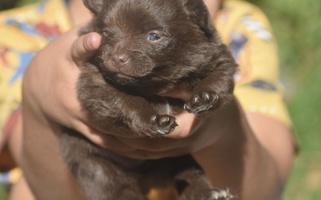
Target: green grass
[
  {"x": 7, "y": 4},
  {"x": 297, "y": 26},
  {"x": 3, "y": 195}
]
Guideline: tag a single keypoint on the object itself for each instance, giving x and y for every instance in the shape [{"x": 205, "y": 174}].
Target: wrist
[
  {"x": 226, "y": 152},
  {"x": 229, "y": 136},
  {"x": 236, "y": 160},
  {"x": 224, "y": 125}
]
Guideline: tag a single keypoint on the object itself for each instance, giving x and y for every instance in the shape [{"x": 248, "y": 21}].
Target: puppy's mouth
[
  {"x": 126, "y": 73},
  {"x": 123, "y": 79},
  {"x": 120, "y": 75}
]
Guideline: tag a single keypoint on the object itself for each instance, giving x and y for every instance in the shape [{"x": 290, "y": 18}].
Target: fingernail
[{"x": 95, "y": 40}]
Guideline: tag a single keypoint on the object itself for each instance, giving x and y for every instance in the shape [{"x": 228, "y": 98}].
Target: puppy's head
[{"x": 152, "y": 41}]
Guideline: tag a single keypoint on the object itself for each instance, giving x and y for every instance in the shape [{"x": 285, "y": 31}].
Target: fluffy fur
[{"x": 149, "y": 48}]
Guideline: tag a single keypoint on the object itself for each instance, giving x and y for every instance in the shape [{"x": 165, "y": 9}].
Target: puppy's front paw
[
  {"x": 218, "y": 195},
  {"x": 202, "y": 102},
  {"x": 163, "y": 124}
]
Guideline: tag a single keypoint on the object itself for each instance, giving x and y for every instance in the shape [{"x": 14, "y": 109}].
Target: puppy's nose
[{"x": 120, "y": 58}]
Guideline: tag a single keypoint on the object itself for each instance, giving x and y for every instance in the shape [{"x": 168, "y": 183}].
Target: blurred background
[{"x": 297, "y": 27}]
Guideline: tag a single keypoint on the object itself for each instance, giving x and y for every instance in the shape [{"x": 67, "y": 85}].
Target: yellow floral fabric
[
  {"x": 247, "y": 32},
  {"x": 23, "y": 31}
]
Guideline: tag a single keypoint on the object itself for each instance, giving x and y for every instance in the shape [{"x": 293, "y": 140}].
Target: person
[{"x": 246, "y": 147}]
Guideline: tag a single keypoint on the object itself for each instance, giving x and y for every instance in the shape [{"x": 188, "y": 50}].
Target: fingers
[
  {"x": 85, "y": 46},
  {"x": 187, "y": 123}
]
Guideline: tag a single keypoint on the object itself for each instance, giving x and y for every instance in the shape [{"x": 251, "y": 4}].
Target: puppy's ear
[
  {"x": 94, "y": 5},
  {"x": 198, "y": 13}
]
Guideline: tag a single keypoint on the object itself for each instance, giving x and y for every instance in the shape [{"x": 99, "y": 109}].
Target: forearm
[
  {"x": 237, "y": 161},
  {"x": 43, "y": 167}
]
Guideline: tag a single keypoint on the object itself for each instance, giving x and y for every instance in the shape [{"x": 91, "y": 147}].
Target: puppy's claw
[
  {"x": 202, "y": 102},
  {"x": 164, "y": 124},
  {"x": 218, "y": 195}
]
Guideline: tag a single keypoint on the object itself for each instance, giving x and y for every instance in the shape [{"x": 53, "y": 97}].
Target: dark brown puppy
[{"x": 149, "y": 48}]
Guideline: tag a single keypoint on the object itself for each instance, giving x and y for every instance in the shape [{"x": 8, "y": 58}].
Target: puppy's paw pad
[
  {"x": 163, "y": 124},
  {"x": 218, "y": 195},
  {"x": 202, "y": 102}
]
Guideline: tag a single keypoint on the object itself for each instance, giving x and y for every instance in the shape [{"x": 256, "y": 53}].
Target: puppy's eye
[{"x": 153, "y": 36}]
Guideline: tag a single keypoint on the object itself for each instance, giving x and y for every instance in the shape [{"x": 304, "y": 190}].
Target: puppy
[{"x": 149, "y": 48}]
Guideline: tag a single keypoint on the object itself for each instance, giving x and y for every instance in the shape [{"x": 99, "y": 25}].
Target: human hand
[
  {"x": 49, "y": 102},
  {"x": 49, "y": 84},
  {"x": 194, "y": 133}
]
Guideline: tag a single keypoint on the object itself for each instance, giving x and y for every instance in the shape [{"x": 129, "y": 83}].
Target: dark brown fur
[{"x": 149, "y": 47}]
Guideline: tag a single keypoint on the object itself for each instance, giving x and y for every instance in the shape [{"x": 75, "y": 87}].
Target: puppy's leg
[
  {"x": 217, "y": 88},
  {"x": 135, "y": 112},
  {"x": 99, "y": 178},
  {"x": 107, "y": 106},
  {"x": 141, "y": 117},
  {"x": 103, "y": 181},
  {"x": 192, "y": 185}
]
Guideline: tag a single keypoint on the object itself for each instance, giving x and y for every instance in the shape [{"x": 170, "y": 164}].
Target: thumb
[{"x": 85, "y": 46}]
